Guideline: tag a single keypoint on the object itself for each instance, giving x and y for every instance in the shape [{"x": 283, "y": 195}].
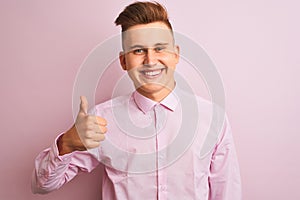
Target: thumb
[{"x": 83, "y": 105}]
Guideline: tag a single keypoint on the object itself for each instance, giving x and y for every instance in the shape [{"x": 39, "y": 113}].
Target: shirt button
[{"x": 163, "y": 187}]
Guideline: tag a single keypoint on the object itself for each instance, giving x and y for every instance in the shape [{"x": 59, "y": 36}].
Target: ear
[
  {"x": 122, "y": 60},
  {"x": 177, "y": 53}
]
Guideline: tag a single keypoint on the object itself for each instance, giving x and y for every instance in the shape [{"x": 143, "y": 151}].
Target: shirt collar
[{"x": 146, "y": 104}]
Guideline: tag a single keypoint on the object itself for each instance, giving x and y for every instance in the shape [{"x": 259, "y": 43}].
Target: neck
[{"x": 158, "y": 95}]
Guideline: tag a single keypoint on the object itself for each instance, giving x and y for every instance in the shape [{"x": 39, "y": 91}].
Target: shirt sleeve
[
  {"x": 51, "y": 171},
  {"x": 224, "y": 178}
]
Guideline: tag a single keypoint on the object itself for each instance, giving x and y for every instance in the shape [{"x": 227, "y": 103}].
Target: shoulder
[
  {"x": 205, "y": 109},
  {"x": 189, "y": 99}
]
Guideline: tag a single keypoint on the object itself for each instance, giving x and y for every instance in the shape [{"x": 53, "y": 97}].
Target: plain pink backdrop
[{"x": 255, "y": 45}]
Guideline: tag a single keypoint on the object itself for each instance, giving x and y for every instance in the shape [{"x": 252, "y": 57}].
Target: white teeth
[{"x": 152, "y": 73}]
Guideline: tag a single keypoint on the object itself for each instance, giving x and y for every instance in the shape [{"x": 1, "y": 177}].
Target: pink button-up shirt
[{"x": 152, "y": 151}]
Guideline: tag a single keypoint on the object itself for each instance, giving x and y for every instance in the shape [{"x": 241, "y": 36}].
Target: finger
[
  {"x": 83, "y": 105},
  {"x": 102, "y": 129},
  {"x": 92, "y": 136},
  {"x": 101, "y": 121},
  {"x": 99, "y": 137},
  {"x": 92, "y": 144},
  {"x": 99, "y": 129}
]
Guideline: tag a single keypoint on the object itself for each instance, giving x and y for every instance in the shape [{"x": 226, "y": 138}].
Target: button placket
[{"x": 160, "y": 119}]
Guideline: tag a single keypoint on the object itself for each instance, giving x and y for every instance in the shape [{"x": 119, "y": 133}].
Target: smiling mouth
[{"x": 151, "y": 74}]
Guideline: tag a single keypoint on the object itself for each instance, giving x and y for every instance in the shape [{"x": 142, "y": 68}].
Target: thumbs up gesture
[
  {"x": 87, "y": 132},
  {"x": 91, "y": 129}
]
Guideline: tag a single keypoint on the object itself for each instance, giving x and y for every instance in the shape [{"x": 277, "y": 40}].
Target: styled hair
[{"x": 142, "y": 13}]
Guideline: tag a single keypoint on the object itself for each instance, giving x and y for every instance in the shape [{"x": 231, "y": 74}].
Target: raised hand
[{"x": 87, "y": 132}]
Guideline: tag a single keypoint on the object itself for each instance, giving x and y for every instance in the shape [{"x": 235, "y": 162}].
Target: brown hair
[{"x": 142, "y": 13}]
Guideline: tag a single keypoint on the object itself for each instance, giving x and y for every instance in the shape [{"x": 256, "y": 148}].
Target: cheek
[
  {"x": 169, "y": 61},
  {"x": 133, "y": 61}
]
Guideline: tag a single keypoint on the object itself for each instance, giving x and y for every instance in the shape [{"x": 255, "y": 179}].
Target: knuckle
[
  {"x": 89, "y": 126},
  {"x": 101, "y": 121},
  {"x": 89, "y": 134},
  {"x": 93, "y": 144},
  {"x": 102, "y": 137},
  {"x": 103, "y": 129},
  {"x": 104, "y": 121},
  {"x": 88, "y": 144}
]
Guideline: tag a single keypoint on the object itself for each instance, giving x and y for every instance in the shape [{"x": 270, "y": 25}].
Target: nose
[{"x": 150, "y": 57}]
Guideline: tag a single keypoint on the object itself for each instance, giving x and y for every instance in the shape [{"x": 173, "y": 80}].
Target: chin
[{"x": 151, "y": 88}]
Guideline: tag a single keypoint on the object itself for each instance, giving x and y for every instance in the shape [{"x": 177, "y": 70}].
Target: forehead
[{"x": 147, "y": 35}]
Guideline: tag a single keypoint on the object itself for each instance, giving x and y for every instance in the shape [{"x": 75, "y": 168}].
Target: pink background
[{"x": 255, "y": 45}]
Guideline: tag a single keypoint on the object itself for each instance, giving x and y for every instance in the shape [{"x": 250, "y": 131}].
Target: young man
[{"x": 149, "y": 141}]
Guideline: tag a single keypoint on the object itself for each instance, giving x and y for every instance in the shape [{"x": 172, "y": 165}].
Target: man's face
[{"x": 150, "y": 58}]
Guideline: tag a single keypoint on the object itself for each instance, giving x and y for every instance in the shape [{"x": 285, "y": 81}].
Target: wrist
[
  {"x": 63, "y": 147},
  {"x": 69, "y": 142}
]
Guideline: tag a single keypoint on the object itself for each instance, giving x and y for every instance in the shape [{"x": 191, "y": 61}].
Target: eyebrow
[{"x": 141, "y": 46}]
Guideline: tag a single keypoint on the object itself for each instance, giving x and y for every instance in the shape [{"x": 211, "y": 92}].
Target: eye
[
  {"x": 159, "y": 49},
  {"x": 139, "y": 51}
]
